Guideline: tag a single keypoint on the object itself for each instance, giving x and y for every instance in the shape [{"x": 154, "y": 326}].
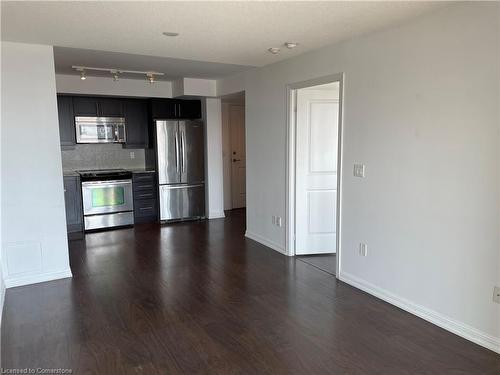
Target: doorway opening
[
  {"x": 314, "y": 171},
  {"x": 234, "y": 151}
]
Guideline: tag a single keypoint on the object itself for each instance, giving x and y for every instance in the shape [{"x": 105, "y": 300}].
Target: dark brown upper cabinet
[
  {"x": 189, "y": 109},
  {"x": 136, "y": 123},
  {"x": 163, "y": 108},
  {"x": 110, "y": 107},
  {"x": 175, "y": 109},
  {"x": 95, "y": 106},
  {"x": 66, "y": 122}
]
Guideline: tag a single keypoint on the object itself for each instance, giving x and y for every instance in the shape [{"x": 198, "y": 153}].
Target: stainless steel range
[{"x": 107, "y": 198}]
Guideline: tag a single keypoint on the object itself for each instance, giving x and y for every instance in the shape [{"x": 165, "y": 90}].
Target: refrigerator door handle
[
  {"x": 183, "y": 143},
  {"x": 177, "y": 150}
]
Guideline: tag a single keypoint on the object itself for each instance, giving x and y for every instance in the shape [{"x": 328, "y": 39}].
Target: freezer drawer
[{"x": 179, "y": 202}]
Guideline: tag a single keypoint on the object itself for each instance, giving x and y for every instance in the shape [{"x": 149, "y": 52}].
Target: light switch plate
[
  {"x": 132, "y": 155},
  {"x": 359, "y": 170},
  {"x": 496, "y": 294}
]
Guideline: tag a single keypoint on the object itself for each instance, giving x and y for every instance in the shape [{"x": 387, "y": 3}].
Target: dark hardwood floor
[{"x": 199, "y": 298}]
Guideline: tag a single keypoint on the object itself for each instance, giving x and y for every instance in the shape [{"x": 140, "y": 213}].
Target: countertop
[{"x": 70, "y": 173}]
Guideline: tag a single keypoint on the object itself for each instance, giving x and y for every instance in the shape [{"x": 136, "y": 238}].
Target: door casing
[{"x": 291, "y": 90}]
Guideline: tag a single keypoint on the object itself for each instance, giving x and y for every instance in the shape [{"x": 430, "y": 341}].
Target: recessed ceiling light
[
  {"x": 274, "y": 50},
  {"x": 291, "y": 45},
  {"x": 170, "y": 33}
]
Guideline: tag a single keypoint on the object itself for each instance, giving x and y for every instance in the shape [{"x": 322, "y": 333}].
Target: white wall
[
  {"x": 194, "y": 87},
  {"x": 72, "y": 84},
  {"x": 2, "y": 283},
  {"x": 421, "y": 111},
  {"x": 213, "y": 158},
  {"x": 34, "y": 241}
]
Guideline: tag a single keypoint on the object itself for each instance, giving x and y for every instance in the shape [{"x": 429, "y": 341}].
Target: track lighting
[{"x": 115, "y": 73}]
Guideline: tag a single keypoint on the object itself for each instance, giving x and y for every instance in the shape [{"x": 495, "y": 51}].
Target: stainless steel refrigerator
[{"x": 181, "y": 169}]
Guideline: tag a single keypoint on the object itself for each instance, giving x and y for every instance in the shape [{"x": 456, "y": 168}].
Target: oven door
[{"x": 103, "y": 197}]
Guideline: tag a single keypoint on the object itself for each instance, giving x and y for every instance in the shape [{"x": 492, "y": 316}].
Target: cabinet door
[
  {"x": 73, "y": 202},
  {"x": 189, "y": 109},
  {"x": 136, "y": 123},
  {"x": 110, "y": 107},
  {"x": 66, "y": 122},
  {"x": 85, "y": 106},
  {"x": 163, "y": 109}
]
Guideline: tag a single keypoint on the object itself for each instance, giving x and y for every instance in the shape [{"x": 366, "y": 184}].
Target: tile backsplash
[{"x": 101, "y": 156}]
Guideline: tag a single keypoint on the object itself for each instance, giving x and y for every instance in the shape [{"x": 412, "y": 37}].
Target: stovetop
[{"x": 104, "y": 174}]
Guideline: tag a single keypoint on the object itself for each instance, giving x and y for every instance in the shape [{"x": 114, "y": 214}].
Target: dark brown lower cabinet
[
  {"x": 145, "y": 197},
  {"x": 73, "y": 203}
]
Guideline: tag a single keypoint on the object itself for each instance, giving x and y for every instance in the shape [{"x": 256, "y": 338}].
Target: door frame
[{"x": 291, "y": 103}]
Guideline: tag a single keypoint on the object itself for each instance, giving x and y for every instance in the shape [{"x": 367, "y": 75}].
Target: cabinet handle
[
  {"x": 145, "y": 195},
  {"x": 145, "y": 208},
  {"x": 145, "y": 186}
]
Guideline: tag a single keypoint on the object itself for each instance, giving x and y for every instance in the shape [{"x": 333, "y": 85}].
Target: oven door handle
[{"x": 102, "y": 183}]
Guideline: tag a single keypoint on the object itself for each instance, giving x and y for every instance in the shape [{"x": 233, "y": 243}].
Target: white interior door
[
  {"x": 316, "y": 170},
  {"x": 238, "y": 155}
]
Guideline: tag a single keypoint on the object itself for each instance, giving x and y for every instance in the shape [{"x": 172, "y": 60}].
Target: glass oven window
[{"x": 108, "y": 196}]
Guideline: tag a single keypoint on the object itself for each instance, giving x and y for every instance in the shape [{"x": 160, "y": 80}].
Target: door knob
[{"x": 235, "y": 160}]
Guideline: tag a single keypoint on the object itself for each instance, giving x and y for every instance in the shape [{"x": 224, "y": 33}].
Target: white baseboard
[
  {"x": 39, "y": 278},
  {"x": 216, "y": 215},
  {"x": 265, "y": 242},
  {"x": 449, "y": 324}
]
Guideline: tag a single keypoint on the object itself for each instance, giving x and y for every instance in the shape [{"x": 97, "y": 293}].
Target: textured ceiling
[{"x": 234, "y": 33}]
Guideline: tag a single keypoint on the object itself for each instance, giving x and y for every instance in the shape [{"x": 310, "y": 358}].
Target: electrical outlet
[
  {"x": 132, "y": 155},
  {"x": 363, "y": 249},
  {"x": 359, "y": 170},
  {"x": 496, "y": 294}
]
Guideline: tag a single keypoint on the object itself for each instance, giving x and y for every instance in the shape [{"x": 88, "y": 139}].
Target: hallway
[{"x": 198, "y": 297}]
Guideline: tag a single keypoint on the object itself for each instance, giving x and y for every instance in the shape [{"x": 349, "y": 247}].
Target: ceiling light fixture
[
  {"x": 291, "y": 45},
  {"x": 115, "y": 72},
  {"x": 274, "y": 50},
  {"x": 170, "y": 33}
]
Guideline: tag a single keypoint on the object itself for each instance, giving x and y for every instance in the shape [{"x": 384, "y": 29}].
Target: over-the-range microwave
[{"x": 100, "y": 129}]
